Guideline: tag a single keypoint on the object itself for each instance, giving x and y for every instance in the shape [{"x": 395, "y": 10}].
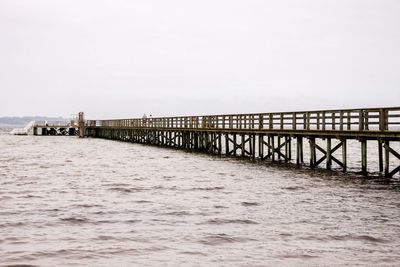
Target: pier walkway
[{"x": 278, "y": 137}]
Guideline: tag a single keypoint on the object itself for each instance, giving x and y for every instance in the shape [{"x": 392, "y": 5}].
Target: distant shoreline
[{"x": 15, "y": 122}]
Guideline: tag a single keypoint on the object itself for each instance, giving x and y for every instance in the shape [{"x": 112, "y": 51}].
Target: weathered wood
[
  {"x": 364, "y": 156},
  {"x": 261, "y": 146},
  {"x": 380, "y": 155},
  {"x": 272, "y": 146},
  {"x": 344, "y": 154},
  {"x": 253, "y": 146},
  {"x": 234, "y": 145},
  {"x": 387, "y": 158},
  {"x": 313, "y": 152},
  {"x": 328, "y": 154}
]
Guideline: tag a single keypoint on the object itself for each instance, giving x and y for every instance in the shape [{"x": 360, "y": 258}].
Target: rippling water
[{"x": 66, "y": 201}]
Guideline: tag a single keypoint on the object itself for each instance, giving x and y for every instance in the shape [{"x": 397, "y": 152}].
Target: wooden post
[
  {"x": 81, "y": 123},
  {"x": 196, "y": 141},
  {"x": 361, "y": 120},
  {"x": 286, "y": 148},
  {"x": 299, "y": 150},
  {"x": 279, "y": 145},
  {"x": 271, "y": 121},
  {"x": 207, "y": 141},
  {"x": 328, "y": 153},
  {"x": 348, "y": 120},
  {"x": 272, "y": 144},
  {"x": 261, "y": 121},
  {"x": 227, "y": 144},
  {"x": 364, "y": 156},
  {"x": 234, "y": 144},
  {"x": 261, "y": 146},
  {"x": 298, "y": 143},
  {"x": 243, "y": 145},
  {"x": 341, "y": 121},
  {"x": 312, "y": 152},
  {"x": 380, "y": 155},
  {"x": 219, "y": 143},
  {"x": 294, "y": 121},
  {"x": 387, "y": 158},
  {"x": 344, "y": 154},
  {"x": 253, "y": 146},
  {"x": 383, "y": 120}
]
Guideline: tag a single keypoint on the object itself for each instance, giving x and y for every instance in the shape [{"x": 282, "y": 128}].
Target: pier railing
[{"x": 375, "y": 119}]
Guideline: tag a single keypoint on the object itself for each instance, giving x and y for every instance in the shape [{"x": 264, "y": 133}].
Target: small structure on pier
[{"x": 56, "y": 128}]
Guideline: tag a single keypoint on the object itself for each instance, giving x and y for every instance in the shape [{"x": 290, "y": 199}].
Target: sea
[{"x": 66, "y": 201}]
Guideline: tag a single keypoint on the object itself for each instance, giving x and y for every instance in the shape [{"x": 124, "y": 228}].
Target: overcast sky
[{"x": 123, "y": 58}]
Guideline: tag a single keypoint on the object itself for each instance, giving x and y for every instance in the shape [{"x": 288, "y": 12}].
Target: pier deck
[{"x": 268, "y": 136}]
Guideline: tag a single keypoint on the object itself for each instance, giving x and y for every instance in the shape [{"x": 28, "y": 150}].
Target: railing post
[
  {"x": 361, "y": 120},
  {"x": 294, "y": 121},
  {"x": 271, "y": 121},
  {"x": 81, "y": 123},
  {"x": 383, "y": 120},
  {"x": 349, "y": 120},
  {"x": 260, "y": 121},
  {"x": 341, "y": 121}
]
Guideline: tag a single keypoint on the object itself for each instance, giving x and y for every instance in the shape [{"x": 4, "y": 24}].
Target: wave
[{"x": 230, "y": 221}]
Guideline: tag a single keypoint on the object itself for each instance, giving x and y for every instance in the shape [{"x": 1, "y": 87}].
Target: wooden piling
[
  {"x": 364, "y": 155},
  {"x": 328, "y": 153},
  {"x": 380, "y": 155}
]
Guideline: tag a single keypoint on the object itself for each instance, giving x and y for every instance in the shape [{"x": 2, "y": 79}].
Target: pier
[{"x": 276, "y": 137}]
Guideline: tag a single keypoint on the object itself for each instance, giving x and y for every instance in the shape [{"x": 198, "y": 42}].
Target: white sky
[{"x": 123, "y": 58}]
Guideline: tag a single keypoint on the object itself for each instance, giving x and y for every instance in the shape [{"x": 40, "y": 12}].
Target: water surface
[{"x": 66, "y": 201}]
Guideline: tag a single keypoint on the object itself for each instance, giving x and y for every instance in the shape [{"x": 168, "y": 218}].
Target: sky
[{"x": 123, "y": 58}]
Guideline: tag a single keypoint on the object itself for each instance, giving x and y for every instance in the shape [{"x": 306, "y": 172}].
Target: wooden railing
[{"x": 375, "y": 119}]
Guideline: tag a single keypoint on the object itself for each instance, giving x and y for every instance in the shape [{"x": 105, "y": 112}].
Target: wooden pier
[{"x": 269, "y": 136}]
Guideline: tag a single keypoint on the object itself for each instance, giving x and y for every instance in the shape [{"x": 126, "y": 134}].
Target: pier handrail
[{"x": 369, "y": 119}]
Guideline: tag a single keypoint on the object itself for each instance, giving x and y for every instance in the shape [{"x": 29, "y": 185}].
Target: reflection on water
[{"x": 66, "y": 201}]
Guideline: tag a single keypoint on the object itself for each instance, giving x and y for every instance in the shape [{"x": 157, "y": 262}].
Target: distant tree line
[{"x": 27, "y": 119}]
